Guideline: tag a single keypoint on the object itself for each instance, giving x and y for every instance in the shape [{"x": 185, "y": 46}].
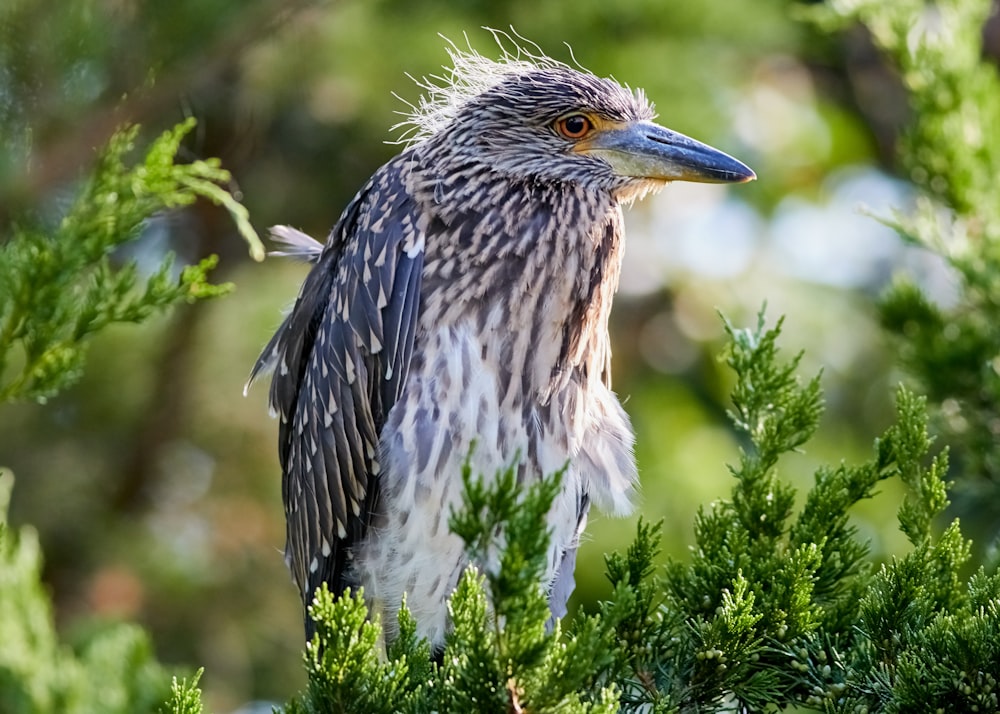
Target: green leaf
[{"x": 58, "y": 288}]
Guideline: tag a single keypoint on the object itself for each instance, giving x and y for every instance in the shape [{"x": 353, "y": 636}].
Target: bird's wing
[{"x": 340, "y": 359}]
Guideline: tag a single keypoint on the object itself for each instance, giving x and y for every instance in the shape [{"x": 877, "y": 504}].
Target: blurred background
[{"x": 154, "y": 483}]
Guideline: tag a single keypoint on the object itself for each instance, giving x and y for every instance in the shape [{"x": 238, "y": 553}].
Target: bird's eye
[{"x": 575, "y": 126}]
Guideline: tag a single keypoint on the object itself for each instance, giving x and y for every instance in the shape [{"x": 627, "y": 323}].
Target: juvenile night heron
[{"x": 463, "y": 297}]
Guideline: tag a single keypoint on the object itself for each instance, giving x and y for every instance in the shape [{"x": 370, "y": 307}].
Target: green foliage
[
  {"x": 58, "y": 287},
  {"x": 499, "y": 654},
  {"x": 347, "y": 671},
  {"x": 777, "y": 607},
  {"x": 952, "y": 153},
  {"x": 111, "y": 671},
  {"x": 512, "y": 583},
  {"x": 185, "y": 697},
  {"x": 770, "y": 597}
]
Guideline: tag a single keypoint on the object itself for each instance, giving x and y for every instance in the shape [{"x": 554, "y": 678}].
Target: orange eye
[{"x": 575, "y": 126}]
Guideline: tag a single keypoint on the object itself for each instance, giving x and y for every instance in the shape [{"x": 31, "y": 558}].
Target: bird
[{"x": 462, "y": 298}]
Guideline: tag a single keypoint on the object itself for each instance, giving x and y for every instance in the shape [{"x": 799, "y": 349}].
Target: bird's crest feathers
[{"x": 470, "y": 75}]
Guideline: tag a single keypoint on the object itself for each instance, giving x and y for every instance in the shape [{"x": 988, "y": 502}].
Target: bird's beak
[{"x": 647, "y": 150}]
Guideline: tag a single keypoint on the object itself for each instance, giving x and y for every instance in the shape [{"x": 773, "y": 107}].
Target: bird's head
[{"x": 537, "y": 119}]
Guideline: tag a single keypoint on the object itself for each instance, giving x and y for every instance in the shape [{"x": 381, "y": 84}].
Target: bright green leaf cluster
[
  {"x": 503, "y": 652},
  {"x": 185, "y": 697},
  {"x": 347, "y": 663},
  {"x": 60, "y": 286}
]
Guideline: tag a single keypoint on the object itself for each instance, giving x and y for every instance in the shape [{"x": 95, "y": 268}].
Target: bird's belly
[{"x": 452, "y": 408}]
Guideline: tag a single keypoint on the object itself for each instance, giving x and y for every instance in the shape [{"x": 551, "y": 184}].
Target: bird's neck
[{"x": 532, "y": 267}]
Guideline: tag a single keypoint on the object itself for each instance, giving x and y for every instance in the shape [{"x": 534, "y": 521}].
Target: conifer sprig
[{"x": 61, "y": 285}]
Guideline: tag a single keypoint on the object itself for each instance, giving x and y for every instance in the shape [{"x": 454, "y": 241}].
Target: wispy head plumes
[{"x": 470, "y": 75}]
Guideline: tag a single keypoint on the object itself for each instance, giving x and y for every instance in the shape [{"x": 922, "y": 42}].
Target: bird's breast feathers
[{"x": 460, "y": 395}]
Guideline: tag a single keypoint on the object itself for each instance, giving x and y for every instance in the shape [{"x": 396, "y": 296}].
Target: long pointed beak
[{"x": 648, "y": 150}]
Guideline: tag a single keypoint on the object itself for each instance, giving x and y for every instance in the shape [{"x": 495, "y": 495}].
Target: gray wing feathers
[{"x": 339, "y": 361}]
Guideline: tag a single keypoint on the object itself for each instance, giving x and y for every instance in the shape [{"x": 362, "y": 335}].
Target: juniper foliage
[
  {"x": 185, "y": 697},
  {"x": 500, "y": 654},
  {"x": 109, "y": 671},
  {"x": 778, "y": 606},
  {"x": 952, "y": 154},
  {"x": 61, "y": 284}
]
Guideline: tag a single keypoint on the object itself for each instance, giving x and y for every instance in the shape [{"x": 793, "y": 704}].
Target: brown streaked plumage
[{"x": 464, "y": 296}]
